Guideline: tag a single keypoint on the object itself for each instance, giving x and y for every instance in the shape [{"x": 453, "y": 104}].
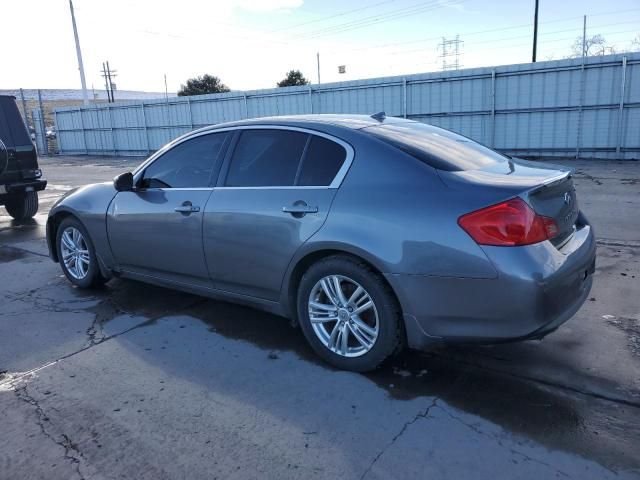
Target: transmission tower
[{"x": 450, "y": 53}]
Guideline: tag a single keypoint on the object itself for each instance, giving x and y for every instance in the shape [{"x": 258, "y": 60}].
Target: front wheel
[
  {"x": 349, "y": 314},
  {"x": 77, "y": 255},
  {"x": 22, "y": 206}
]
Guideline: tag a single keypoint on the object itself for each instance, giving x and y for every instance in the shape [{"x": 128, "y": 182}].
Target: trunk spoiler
[{"x": 550, "y": 182}]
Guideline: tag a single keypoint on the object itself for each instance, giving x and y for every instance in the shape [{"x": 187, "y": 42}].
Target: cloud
[
  {"x": 268, "y": 5},
  {"x": 454, "y": 5}
]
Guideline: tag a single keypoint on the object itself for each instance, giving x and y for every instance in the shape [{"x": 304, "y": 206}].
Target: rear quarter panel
[{"x": 396, "y": 213}]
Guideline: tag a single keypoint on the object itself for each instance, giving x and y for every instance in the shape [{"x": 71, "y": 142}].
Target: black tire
[
  {"x": 390, "y": 334},
  {"x": 22, "y": 206},
  {"x": 93, "y": 276}
]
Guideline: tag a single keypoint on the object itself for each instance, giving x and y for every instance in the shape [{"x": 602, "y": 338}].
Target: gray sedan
[{"x": 371, "y": 233}]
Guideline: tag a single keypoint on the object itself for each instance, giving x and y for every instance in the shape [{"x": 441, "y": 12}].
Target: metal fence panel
[
  {"x": 41, "y": 135},
  {"x": 556, "y": 108}
]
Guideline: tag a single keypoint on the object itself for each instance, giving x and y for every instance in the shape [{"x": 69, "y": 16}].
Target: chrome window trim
[
  {"x": 290, "y": 187},
  {"x": 176, "y": 189},
  {"x": 335, "y": 183}
]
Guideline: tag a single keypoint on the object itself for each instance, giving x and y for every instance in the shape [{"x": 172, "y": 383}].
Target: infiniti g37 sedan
[{"x": 371, "y": 233}]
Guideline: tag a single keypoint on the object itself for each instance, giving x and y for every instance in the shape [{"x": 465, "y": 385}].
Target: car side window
[
  {"x": 321, "y": 162},
  {"x": 266, "y": 157},
  {"x": 187, "y": 165}
]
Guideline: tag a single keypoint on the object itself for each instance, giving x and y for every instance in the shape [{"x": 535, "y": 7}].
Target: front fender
[{"x": 89, "y": 204}]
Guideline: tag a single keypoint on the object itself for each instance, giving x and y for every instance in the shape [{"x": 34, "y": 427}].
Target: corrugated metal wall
[{"x": 557, "y": 108}]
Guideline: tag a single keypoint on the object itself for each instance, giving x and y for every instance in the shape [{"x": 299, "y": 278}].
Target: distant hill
[{"x": 63, "y": 94}]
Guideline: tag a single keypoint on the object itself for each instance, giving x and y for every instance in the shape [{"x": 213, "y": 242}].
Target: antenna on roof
[{"x": 380, "y": 116}]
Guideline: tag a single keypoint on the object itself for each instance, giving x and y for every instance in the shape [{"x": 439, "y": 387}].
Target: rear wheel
[
  {"x": 77, "y": 255},
  {"x": 348, "y": 314},
  {"x": 22, "y": 205}
]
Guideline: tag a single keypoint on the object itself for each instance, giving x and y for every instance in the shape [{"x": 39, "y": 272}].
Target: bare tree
[
  {"x": 635, "y": 43},
  {"x": 593, "y": 45}
]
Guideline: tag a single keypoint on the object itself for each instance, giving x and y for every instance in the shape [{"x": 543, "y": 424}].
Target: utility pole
[
  {"x": 85, "y": 99},
  {"x": 112, "y": 86},
  {"x": 535, "y": 33},
  {"x": 24, "y": 109},
  {"x": 106, "y": 82},
  {"x": 584, "y": 38},
  {"x": 318, "y": 57},
  {"x": 43, "y": 127},
  {"x": 109, "y": 85},
  {"x": 166, "y": 91}
]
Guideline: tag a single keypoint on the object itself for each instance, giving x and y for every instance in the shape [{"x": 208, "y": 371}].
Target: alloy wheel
[
  {"x": 343, "y": 316},
  {"x": 75, "y": 253}
]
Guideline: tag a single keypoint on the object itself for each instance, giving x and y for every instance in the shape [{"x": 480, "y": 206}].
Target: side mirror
[{"x": 123, "y": 182}]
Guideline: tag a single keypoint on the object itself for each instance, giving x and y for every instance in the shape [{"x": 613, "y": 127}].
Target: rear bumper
[
  {"x": 22, "y": 186},
  {"x": 537, "y": 289}
]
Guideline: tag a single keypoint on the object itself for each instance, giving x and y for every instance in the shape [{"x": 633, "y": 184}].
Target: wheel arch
[
  {"x": 300, "y": 265},
  {"x": 53, "y": 223}
]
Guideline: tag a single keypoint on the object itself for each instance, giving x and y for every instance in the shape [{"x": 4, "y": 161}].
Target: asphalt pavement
[{"x": 136, "y": 381}]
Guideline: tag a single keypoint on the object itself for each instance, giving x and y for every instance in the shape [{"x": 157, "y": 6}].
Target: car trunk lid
[{"x": 547, "y": 188}]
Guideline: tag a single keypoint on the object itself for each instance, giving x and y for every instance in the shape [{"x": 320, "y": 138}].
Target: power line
[
  {"x": 263, "y": 40},
  {"x": 492, "y": 30},
  {"x": 380, "y": 18},
  {"x": 434, "y": 63},
  {"x": 555, "y": 40},
  {"x": 342, "y": 14},
  {"x": 505, "y": 39}
]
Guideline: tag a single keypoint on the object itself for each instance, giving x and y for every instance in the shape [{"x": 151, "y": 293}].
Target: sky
[{"x": 251, "y": 44}]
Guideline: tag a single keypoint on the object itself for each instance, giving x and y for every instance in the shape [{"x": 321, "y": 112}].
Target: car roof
[{"x": 350, "y": 121}]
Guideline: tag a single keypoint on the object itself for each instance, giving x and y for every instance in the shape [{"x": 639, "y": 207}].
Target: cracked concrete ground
[{"x": 135, "y": 381}]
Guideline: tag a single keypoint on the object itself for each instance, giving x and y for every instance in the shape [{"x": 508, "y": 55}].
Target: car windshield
[{"x": 439, "y": 148}]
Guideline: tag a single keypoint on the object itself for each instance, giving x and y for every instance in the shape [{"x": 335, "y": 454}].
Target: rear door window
[
  {"x": 321, "y": 163},
  {"x": 266, "y": 158},
  {"x": 437, "y": 147}
]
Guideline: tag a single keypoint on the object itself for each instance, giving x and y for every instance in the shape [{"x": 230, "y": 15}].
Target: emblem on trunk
[{"x": 567, "y": 198}]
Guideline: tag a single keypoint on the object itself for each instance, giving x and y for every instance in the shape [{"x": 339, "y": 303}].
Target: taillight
[{"x": 509, "y": 223}]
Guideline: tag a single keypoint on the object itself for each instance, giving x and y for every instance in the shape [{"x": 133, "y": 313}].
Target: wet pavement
[{"x": 136, "y": 381}]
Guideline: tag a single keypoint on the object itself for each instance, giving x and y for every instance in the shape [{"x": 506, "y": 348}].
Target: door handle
[
  {"x": 187, "y": 207},
  {"x": 299, "y": 209}
]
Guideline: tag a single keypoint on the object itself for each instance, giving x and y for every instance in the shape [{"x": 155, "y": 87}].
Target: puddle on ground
[
  {"x": 550, "y": 416},
  {"x": 9, "y": 254}
]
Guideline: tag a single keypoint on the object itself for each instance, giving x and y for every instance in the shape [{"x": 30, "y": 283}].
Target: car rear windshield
[{"x": 439, "y": 148}]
